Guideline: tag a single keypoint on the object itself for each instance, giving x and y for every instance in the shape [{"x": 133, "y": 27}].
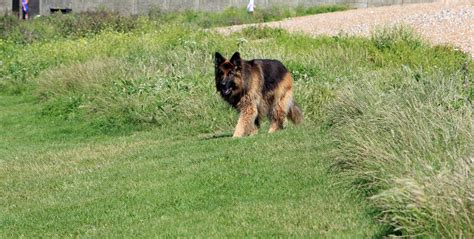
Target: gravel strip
[{"x": 439, "y": 23}]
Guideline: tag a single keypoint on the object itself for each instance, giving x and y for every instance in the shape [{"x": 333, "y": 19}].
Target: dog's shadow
[{"x": 218, "y": 135}]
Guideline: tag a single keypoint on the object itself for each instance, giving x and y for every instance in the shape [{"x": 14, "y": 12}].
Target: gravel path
[{"x": 440, "y": 23}]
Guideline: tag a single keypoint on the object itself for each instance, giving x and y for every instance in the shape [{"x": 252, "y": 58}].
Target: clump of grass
[
  {"x": 7, "y": 24},
  {"x": 77, "y": 25},
  {"x": 92, "y": 23},
  {"x": 112, "y": 94},
  {"x": 302, "y": 10},
  {"x": 139, "y": 82},
  {"x": 435, "y": 204},
  {"x": 409, "y": 148},
  {"x": 386, "y": 38}
]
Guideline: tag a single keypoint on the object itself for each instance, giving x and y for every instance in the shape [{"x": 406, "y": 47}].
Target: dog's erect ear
[
  {"x": 218, "y": 59},
  {"x": 236, "y": 60}
]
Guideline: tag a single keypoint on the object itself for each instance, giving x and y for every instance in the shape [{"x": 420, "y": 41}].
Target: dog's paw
[{"x": 237, "y": 136}]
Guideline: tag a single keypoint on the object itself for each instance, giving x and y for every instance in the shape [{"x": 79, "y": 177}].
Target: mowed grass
[{"x": 57, "y": 182}]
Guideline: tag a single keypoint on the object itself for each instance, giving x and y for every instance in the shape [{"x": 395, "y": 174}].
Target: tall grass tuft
[
  {"x": 391, "y": 37},
  {"x": 410, "y": 149},
  {"x": 114, "y": 93}
]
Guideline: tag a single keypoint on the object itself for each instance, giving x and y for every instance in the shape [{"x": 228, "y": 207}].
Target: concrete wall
[
  {"x": 379, "y": 3},
  {"x": 143, "y": 6},
  {"x": 5, "y": 6}
]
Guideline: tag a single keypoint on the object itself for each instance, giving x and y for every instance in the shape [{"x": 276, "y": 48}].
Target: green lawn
[
  {"x": 56, "y": 182},
  {"x": 110, "y": 126}
]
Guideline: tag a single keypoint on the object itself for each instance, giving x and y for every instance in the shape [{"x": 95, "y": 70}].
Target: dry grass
[{"x": 410, "y": 149}]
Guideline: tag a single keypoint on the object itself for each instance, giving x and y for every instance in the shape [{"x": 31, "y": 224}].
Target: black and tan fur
[{"x": 256, "y": 88}]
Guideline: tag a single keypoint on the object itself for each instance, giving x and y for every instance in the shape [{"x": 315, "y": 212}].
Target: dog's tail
[{"x": 295, "y": 114}]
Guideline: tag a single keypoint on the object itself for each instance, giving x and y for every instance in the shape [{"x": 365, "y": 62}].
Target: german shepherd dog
[{"x": 256, "y": 88}]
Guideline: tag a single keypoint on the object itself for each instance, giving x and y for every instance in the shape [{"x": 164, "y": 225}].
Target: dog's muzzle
[{"x": 226, "y": 88}]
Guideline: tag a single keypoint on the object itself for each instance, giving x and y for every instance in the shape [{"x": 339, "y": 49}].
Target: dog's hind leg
[
  {"x": 280, "y": 111},
  {"x": 283, "y": 99},
  {"x": 276, "y": 121},
  {"x": 256, "y": 127}
]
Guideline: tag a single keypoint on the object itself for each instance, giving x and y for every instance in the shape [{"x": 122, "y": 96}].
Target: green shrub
[
  {"x": 77, "y": 25},
  {"x": 392, "y": 37},
  {"x": 7, "y": 24},
  {"x": 301, "y": 10},
  {"x": 137, "y": 81},
  {"x": 91, "y": 23}
]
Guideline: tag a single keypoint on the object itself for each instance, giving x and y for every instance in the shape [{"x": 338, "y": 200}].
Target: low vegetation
[
  {"x": 409, "y": 148},
  {"x": 46, "y": 28},
  {"x": 236, "y": 16},
  {"x": 387, "y": 118}
]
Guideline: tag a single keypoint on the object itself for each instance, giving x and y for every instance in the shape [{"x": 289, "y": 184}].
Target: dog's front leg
[{"x": 246, "y": 124}]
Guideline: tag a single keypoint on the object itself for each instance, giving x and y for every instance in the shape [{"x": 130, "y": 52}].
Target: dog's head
[{"x": 228, "y": 74}]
